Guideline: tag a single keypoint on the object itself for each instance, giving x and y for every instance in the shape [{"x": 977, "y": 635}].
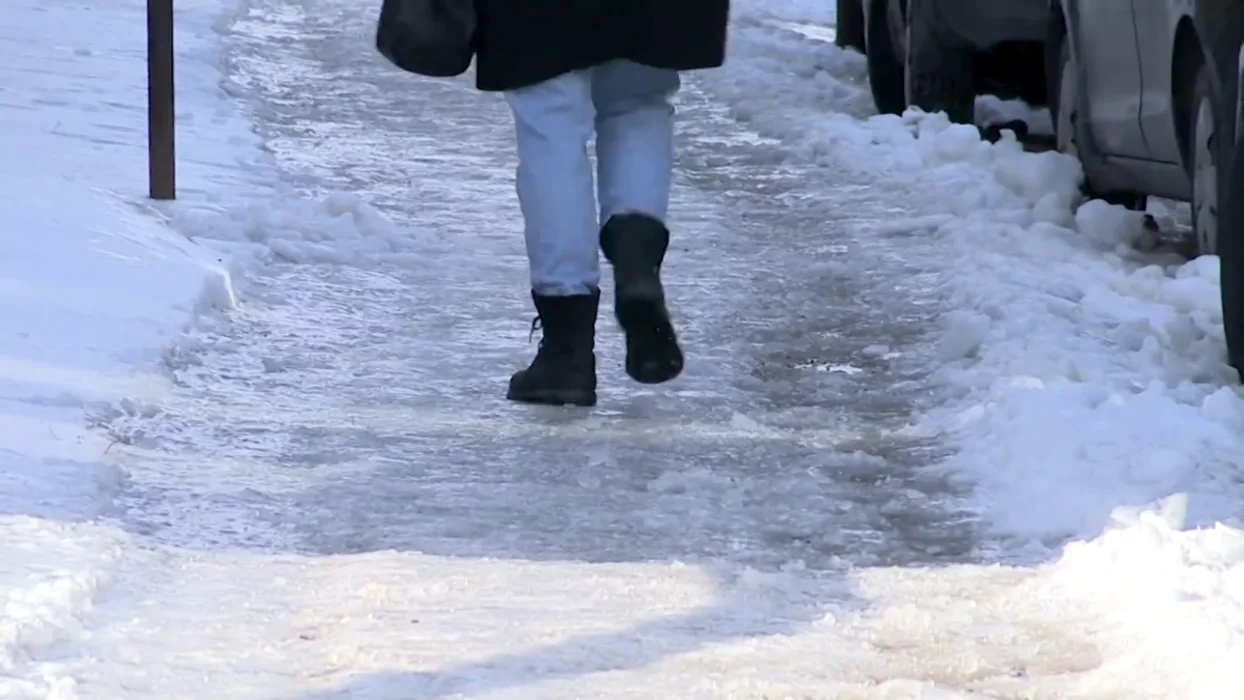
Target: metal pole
[{"x": 161, "y": 154}]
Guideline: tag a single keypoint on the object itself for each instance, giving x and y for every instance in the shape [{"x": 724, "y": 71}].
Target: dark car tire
[
  {"x": 1069, "y": 132},
  {"x": 885, "y": 65},
  {"x": 938, "y": 74},
  {"x": 1030, "y": 84},
  {"x": 1231, "y": 258},
  {"x": 850, "y": 30}
]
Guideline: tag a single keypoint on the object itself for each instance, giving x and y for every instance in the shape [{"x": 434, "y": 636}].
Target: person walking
[{"x": 568, "y": 69}]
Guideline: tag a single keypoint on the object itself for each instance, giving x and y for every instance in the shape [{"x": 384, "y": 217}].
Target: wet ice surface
[
  {"x": 685, "y": 542},
  {"x": 361, "y": 409}
]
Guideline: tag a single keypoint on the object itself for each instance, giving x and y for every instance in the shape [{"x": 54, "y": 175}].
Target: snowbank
[
  {"x": 93, "y": 287},
  {"x": 1088, "y": 381},
  {"x": 96, "y": 285}
]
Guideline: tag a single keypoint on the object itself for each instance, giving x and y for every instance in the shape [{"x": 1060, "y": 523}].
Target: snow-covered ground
[
  {"x": 93, "y": 288},
  {"x": 1083, "y": 386}
]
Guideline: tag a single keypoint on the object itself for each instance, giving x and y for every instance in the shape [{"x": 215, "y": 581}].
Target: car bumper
[{"x": 983, "y": 24}]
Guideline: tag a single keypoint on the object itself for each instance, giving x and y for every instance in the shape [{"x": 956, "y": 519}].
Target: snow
[
  {"x": 341, "y": 229},
  {"x": 95, "y": 288},
  {"x": 1085, "y": 389},
  {"x": 92, "y": 289},
  {"x": 1088, "y": 381}
]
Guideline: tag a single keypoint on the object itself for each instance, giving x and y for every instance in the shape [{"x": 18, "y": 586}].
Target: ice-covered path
[
  {"x": 353, "y": 408},
  {"x": 904, "y": 369},
  {"x": 379, "y": 384}
]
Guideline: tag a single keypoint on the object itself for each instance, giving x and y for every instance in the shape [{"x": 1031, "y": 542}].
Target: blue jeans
[{"x": 628, "y": 107}]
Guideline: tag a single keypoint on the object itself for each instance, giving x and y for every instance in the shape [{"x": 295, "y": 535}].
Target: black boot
[
  {"x": 635, "y": 244},
  {"x": 564, "y": 371}
]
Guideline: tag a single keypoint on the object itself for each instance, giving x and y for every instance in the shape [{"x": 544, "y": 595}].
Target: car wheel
[
  {"x": 849, "y": 33},
  {"x": 1063, "y": 84},
  {"x": 1204, "y": 156},
  {"x": 1030, "y": 78},
  {"x": 938, "y": 76},
  {"x": 1230, "y": 226},
  {"x": 885, "y": 63}
]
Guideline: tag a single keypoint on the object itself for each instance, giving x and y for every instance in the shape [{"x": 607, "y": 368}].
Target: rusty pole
[{"x": 161, "y": 154}]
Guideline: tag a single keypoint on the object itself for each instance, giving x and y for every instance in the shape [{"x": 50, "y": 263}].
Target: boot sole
[
  {"x": 556, "y": 397},
  {"x": 653, "y": 355}
]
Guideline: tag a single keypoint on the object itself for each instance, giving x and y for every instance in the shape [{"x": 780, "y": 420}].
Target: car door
[
  {"x": 1156, "y": 21},
  {"x": 1109, "y": 60}
]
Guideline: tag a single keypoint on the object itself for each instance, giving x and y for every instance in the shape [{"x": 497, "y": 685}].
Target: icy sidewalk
[
  {"x": 492, "y": 623},
  {"x": 92, "y": 291},
  {"x": 1079, "y": 381}
]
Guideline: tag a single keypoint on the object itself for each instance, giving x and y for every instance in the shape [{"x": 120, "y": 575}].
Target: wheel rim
[
  {"x": 1064, "y": 131},
  {"x": 1205, "y": 179}
]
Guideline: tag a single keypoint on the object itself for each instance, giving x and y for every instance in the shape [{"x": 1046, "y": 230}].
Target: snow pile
[
  {"x": 52, "y": 571},
  {"x": 1090, "y": 375},
  {"x": 1088, "y": 380},
  {"x": 1177, "y": 600},
  {"x": 992, "y": 110},
  {"x": 93, "y": 288},
  {"x": 95, "y": 285},
  {"x": 1090, "y": 384},
  {"x": 835, "y": 81},
  {"x": 341, "y": 229},
  {"x": 838, "y": 78}
]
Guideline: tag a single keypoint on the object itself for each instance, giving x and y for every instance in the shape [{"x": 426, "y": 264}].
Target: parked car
[
  {"x": 1146, "y": 93},
  {"x": 940, "y": 54}
]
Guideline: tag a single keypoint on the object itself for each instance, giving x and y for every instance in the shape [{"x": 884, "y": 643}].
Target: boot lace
[{"x": 545, "y": 346}]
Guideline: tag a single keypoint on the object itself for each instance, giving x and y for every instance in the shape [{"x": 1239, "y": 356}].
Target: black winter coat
[{"x": 524, "y": 42}]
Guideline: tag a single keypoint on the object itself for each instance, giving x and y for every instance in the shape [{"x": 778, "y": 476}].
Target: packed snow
[{"x": 1083, "y": 384}]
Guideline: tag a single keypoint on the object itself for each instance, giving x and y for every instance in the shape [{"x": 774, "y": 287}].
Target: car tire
[
  {"x": 938, "y": 75},
  {"x": 885, "y": 62},
  {"x": 1030, "y": 81},
  {"x": 1205, "y": 154},
  {"x": 849, "y": 33},
  {"x": 1230, "y": 247},
  {"x": 1062, "y": 81}
]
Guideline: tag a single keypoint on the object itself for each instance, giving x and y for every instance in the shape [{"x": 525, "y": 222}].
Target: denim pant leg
[
  {"x": 554, "y": 121},
  {"x": 634, "y": 138}
]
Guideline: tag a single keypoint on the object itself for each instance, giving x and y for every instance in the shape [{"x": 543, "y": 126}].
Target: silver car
[
  {"x": 1146, "y": 93},
  {"x": 940, "y": 54}
]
